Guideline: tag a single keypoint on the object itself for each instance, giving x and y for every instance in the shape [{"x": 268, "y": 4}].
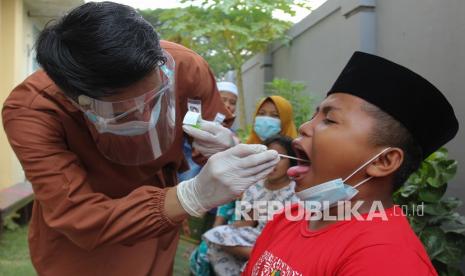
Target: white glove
[
  {"x": 211, "y": 138},
  {"x": 225, "y": 176}
]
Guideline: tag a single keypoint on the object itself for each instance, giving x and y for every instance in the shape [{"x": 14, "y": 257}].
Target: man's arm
[{"x": 67, "y": 201}]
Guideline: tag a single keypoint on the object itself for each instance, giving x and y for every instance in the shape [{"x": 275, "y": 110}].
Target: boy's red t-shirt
[{"x": 354, "y": 247}]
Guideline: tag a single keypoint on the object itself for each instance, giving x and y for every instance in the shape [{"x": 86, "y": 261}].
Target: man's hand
[
  {"x": 226, "y": 175},
  {"x": 211, "y": 138}
]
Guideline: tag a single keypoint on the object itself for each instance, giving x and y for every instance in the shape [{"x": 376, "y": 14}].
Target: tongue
[{"x": 297, "y": 170}]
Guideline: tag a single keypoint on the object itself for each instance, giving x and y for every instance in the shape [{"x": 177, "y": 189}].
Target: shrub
[
  {"x": 440, "y": 227},
  {"x": 302, "y": 103}
]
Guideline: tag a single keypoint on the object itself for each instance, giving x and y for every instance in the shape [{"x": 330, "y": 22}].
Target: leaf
[
  {"x": 408, "y": 190},
  {"x": 451, "y": 203},
  {"x": 441, "y": 268},
  {"x": 453, "y": 251},
  {"x": 449, "y": 169},
  {"x": 455, "y": 223},
  {"x": 436, "y": 209},
  {"x": 453, "y": 227},
  {"x": 434, "y": 240},
  {"x": 431, "y": 194},
  {"x": 427, "y": 169},
  {"x": 439, "y": 154},
  {"x": 9, "y": 222},
  {"x": 417, "y": 223},
  {"x": 432, "y": 173},
  {"x": 453, "y": 271},
  {"x": 435, "y": 181}
]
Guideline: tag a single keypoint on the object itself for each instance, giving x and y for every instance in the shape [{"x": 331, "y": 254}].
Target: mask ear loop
[
  {"x": 362, "y": 166},
  {"x": 363, "y": 181}
]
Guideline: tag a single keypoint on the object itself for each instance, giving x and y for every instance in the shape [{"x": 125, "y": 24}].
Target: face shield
[{"x": 137, "y": 130}]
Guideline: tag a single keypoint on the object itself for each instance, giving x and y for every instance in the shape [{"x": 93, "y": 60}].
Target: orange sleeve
[{"x": 68, "y": 203}]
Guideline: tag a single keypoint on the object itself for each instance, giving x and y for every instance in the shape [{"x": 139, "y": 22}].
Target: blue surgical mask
[
  {"x": 266, "y": 126},
  {"x": 334, "y": 190}
]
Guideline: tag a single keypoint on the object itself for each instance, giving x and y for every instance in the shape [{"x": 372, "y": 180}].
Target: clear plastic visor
[{"x": 137, "y": 130}]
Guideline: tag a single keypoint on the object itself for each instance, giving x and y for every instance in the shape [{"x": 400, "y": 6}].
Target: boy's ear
[{"x": 387, "y": 163}]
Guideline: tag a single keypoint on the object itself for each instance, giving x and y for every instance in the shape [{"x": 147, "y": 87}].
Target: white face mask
[
  {"x": 132, "y": 128},
  {"x": 335, "y": 190}
]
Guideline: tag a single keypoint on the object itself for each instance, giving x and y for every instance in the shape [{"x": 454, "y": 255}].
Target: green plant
[
  {"x": 227, "y": 33},
  {"x": 243, "y": 134},
  {"x": 438, "y": 225},
  {"x": 9, "y": 222},
  {"x": 302, "y": 104}
]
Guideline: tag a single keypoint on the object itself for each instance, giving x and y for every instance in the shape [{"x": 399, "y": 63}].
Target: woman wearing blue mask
[{"x": 272, "y": 116}]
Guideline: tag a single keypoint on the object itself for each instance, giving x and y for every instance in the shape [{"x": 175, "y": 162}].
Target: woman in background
[{"x": 273, "y": 116}]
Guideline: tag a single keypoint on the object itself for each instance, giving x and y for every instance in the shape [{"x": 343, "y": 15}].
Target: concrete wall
[
  {"x": 427, "y": 36},
  {"x": 254, "y": 81},
  {"x": 12, "y": 70},
  {"x": 338, "y": 27}
]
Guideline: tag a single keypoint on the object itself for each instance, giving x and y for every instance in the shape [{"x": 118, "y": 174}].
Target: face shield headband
[{"x": 139, "y": 129}]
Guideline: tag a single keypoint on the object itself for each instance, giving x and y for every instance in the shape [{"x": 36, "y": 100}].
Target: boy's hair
[
  {"x": 387, "y": 131},
  {"x": 286, "y": 143},
  {"x": 98, "y": 47}
]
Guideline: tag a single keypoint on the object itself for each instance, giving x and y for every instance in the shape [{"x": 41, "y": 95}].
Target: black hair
[
  {"x": 98, "y": 47},
  {"x": 387, "y": 131},
  {"x": 286, "y": 143}
]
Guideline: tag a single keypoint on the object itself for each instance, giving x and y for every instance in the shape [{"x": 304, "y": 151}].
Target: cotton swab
[{"x": 291, "y": 157}]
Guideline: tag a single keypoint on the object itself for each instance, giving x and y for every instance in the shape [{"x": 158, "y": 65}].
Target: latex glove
[
  {"x": 226, "y": 175},
  {"x": 211, "y": 138}
]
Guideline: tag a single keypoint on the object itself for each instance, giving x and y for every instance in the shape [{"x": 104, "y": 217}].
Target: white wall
[{"x": 427, "y": 36}]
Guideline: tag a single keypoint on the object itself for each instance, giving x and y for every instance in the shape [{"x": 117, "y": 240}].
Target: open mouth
[
  {"x": 302, "y": 166},
  {"x": 301, "y": 154}
]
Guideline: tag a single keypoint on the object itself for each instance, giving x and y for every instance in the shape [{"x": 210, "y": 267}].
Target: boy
[{"x": 376, "y": 125}]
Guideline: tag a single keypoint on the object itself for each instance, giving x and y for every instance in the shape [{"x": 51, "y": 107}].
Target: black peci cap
[{"x": 403, "y": 94}]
